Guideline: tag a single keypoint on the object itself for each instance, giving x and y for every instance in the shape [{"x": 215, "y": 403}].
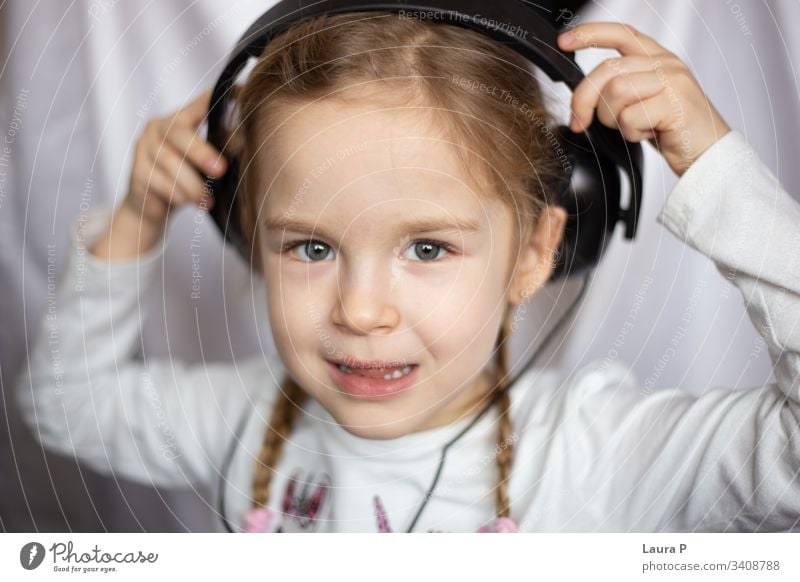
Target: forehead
[{"x": 332, "y": 158}]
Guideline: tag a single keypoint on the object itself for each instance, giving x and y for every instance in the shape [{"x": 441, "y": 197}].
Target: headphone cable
[
  {"x": 531, "y": 361},
  {"x": 528, "y": 365}
]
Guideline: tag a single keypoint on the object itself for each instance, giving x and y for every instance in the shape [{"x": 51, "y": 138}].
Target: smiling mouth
[
  {"x": 392, "y": 373},
  {"x": 370, "y": 382}
]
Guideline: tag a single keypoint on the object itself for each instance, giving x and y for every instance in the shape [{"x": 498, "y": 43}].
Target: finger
[
  {"x": 198, "y": 151},
  {"x": 185, "y": 176},
  {"x": 164, "y": 185},
  {"x": 643, "y": 119},
  {"x": 622, "y": 92},
  {"x": 195, "y": 111},
  {"x": 150, "y": 206},
  {"x": 614, "y": 35},
  {"x": 152, "y": 183},
  {"x": 587, "y": 93}
]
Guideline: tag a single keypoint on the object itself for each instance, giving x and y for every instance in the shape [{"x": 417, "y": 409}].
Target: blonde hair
[{"x": 481, "y": 93}]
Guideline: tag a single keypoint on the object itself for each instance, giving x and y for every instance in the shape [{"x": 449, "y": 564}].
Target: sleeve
[
  {"x": 84, "y": 393},
  {"x": 727, "y": 460}
]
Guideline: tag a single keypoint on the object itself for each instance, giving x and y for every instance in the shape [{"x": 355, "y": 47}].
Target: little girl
[{"x": 397, "y": 206}]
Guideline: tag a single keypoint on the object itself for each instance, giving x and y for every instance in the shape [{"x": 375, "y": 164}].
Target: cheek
[
  {"x": 458, "y": 319},
  {"x": 293, "y": 308}
]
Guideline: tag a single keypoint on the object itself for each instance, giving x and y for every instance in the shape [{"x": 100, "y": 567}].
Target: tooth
[
  {"x": 397, "y": 373},
  {"x": 391, "y": 376}
]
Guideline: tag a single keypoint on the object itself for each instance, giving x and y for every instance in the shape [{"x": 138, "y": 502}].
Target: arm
[
  {"x": 735, "y": 211},
  {"x": 726, "y": 460},
  {"x": 83, "y": 393}
]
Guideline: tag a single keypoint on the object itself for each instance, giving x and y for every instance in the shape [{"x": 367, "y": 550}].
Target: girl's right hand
[
  {"x": 166, "y": 173},
  {"x": 169, "y": 156}
]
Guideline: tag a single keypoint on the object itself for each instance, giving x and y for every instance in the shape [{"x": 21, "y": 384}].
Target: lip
[{"x": 371, "y": 388}]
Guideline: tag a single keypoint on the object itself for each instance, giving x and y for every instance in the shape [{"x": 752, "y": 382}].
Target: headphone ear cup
[{"x": 590, "y": 196}]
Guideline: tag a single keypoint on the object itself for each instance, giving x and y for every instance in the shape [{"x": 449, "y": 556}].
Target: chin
[{"x": 378, "y": 433}]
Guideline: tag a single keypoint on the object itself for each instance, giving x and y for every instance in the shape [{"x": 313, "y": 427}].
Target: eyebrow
[{"x": 454, "y": 224}]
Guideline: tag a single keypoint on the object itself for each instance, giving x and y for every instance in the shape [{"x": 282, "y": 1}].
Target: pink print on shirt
[{"x": 302, "y": 505}]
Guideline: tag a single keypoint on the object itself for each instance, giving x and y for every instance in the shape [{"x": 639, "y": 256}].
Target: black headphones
[{"x": 592, "y": 192}]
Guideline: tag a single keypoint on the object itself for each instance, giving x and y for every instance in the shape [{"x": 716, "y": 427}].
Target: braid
[
  {"x": 505, "y": 432},
  {"x": 284, "y": 413}
]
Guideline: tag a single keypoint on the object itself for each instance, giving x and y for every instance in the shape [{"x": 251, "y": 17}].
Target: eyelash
[{"x": 290, "y": 246}]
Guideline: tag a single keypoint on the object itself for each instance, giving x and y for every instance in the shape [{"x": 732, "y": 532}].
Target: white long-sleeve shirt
[{"x": 595, "y": 451}]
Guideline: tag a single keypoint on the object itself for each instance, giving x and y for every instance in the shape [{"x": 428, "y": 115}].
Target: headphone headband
[{"x": 597, "y": 155}]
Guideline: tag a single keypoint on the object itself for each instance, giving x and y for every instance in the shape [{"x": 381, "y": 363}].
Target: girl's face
[{"x": 377, "y": 247}]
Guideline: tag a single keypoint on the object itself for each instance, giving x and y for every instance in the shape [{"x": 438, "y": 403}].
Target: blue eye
[
  {"x": 315, "y": 251},
  {"x": 428, "y": 251}
]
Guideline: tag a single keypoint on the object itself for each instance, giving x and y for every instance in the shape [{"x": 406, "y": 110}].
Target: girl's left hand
[{"x": 647, "y": 93}]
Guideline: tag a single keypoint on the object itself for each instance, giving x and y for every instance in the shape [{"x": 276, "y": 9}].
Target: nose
[{"x": 365, "y": 303}]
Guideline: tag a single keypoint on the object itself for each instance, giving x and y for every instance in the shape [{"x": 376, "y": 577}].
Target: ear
[{"x": 538, "y": 255}]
